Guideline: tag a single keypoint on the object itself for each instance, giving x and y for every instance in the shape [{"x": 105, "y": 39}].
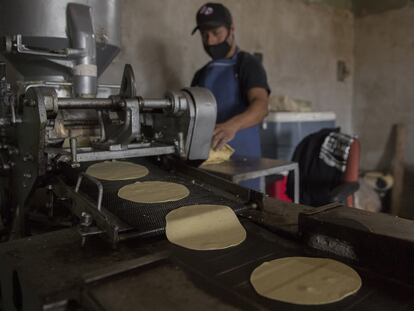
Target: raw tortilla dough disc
[
  {"x": 153, "y": 192},
  {"x": 204, "y": 227},
  {"x": 305, "y": 281},
  {"x": 219, "y": 156},
  {"x": 117, "y": 170}
]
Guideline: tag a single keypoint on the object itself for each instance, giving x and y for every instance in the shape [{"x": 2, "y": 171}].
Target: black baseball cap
[{"x": 212, "y": 15}]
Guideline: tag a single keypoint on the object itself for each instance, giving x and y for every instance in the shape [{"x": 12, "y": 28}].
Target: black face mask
[{"x": 218, "y": 51}]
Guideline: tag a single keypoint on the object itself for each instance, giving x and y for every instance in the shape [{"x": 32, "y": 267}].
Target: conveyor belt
[
  {"x": 149, "y": 219},
  {"x": 213, "y": 280},
  {"x": 226, "y": 273}
]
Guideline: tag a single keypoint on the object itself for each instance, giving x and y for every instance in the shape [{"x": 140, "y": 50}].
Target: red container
[{"x": 277, "y": 189}]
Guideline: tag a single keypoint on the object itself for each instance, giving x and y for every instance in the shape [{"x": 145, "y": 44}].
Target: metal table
[{"x": 239, "y": 169}]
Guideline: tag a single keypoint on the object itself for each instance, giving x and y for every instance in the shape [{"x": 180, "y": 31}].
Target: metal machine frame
[{"x": 43, "y": 122}]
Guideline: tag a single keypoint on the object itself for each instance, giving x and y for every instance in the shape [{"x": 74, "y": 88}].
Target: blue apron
[{"x": 220, "y": 77}]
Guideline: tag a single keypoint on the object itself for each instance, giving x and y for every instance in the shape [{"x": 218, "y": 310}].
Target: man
[{"x": 237, "y": 80}]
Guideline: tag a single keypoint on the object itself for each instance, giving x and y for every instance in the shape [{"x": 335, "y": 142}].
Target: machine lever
[{"x": 66, "y": 53}]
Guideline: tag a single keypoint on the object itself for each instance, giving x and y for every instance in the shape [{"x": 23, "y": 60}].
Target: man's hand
[
  {"x": 254, "y": 114},
  {"x": 223, "y": 133}
]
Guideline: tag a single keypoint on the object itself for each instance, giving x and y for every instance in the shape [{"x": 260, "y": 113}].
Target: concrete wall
[
  {"x": 342, "y": 4},
  {"x": 364, "y": 7},
  {"x": 301, "y": 44},
  {"x": 384, "y": 92},
  {"x": 367, "y": 7}
]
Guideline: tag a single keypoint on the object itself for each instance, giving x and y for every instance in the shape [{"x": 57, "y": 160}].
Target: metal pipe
[
  {"x": 82, "y": 36},
  {"x": 90, "y": 123},
  {"x": 151, "y": 103},
  {"x": 74, "y": 151},
  {"x": 96, "y": 182},
  {"x": 108, "y": 103},
  {"x": 88, "y": 103}
]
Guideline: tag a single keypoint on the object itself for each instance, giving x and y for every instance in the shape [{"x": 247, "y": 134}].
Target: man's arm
[{"x": 254, "y": 114}]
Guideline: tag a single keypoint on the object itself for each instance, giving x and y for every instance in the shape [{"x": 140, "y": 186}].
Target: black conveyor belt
[
  {"x": 226, "y": 274},
  {"x": 149, "y": 219}
]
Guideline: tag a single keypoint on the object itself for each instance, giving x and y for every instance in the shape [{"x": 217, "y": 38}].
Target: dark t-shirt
[{"x": 249, "y": 70}]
